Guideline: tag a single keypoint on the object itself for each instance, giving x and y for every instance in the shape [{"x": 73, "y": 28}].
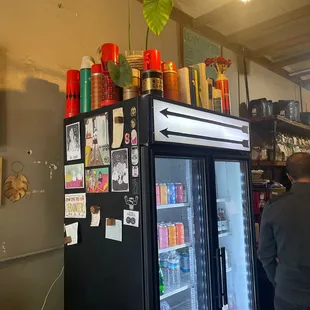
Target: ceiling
[{"x": 273, "y": 33}]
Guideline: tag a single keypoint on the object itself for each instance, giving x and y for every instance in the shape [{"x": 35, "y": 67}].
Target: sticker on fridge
[
  {"x": 73, "y": 142},
  {"x": 119, "y": 165},
  {"x": 134, "y": 155},
  {"x": 74, "y": 176},
  {"x": 75, "y": 205},
  {"x": 95, "y": 216},
  {"x": 97, "y": 180},
  {"x": 131, "y": 218},
  {"x": 97, "y": 148}
]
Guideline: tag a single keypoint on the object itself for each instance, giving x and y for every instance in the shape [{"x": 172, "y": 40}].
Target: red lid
[
  {"x": 109, "y": 51},
  {"x": 96, "y": 68},
  {"x": 151, "y": 60},
  {"x": 73, "y": 75}
]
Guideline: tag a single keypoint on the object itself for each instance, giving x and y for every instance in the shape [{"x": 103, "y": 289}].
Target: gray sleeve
[{"x": 267, "y": 251}]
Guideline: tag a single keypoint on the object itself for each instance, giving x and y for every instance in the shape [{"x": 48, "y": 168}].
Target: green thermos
[{"x": 85, "y": 84}]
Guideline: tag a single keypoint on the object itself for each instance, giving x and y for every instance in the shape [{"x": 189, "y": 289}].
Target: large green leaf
[
  {"x": 157, "y": 14},
  {"x": 121, "y": 74}
]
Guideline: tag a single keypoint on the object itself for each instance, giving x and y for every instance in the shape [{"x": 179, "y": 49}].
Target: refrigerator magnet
[
  {"x": 131, "y": 202},
  {"x": 131, "y": 218},
  {"x": 135, "y": 186},
  {"x": 135, "y": 171},
  {"x": 134, "y": 137},
  {"x": 127, "y": 138},
  {"x": 133, "y": 111},
  {"x": 133, "y": 123},
  {"x": 134, "y": 155}
]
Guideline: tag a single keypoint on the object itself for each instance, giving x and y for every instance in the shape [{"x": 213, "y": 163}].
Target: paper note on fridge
[
  {"x": 113, "y": 232},
  {"x": 72, "y": 231}
]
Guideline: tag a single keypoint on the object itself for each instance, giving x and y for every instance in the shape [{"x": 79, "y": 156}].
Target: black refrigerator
[{"x": 176, "y": 225}]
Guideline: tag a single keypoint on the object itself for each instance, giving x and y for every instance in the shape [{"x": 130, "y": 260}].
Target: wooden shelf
[
  {"x": 268, "y": 163},
  {"x": 283, "y": 125}
]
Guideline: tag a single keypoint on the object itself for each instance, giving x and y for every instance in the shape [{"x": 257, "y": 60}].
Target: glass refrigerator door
[
  {"x": 180, "y": 231},
  {"x": 233, "y": 215}
]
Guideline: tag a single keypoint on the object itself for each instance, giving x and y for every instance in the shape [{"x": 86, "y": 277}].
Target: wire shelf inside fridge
[
  {"x": 173, "y": 206},
  {"x": 175, "y": 291},
  {"x": 173, "y": 248}
]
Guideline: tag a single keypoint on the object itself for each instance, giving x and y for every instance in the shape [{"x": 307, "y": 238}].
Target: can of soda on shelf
[
  {"x": 162, "y": 231},
  {"x": 180, "y": 192},
  {"x": 163, "y": 194},
  {"x": 158, "y": 202},
  {"x": 180, "y": 232},
  {"x": 172, "y": 235},
  {"x": 171, "y": 193}
]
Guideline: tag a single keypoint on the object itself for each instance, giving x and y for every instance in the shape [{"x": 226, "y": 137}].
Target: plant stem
[
  {"x": 147, "y": 38},
  {"x": 129, "y": 25}
]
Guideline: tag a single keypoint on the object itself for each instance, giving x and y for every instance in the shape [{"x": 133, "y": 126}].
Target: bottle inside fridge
[{"x": 180, "y": 232}]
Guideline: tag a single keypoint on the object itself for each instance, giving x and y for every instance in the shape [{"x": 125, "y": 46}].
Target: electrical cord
[{"x": 51, "y": 287}]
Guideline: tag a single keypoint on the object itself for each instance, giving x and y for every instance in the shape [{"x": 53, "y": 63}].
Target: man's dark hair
[{"x": 298, "y": 165}]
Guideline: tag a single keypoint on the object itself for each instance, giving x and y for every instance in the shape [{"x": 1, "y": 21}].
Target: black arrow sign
[
  {"x": 167, "y": 133},
  {"x": 244, "y": 129}
]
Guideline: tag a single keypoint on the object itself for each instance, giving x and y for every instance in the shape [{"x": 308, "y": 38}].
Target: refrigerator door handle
[
  {"x": 224, "y": 275},
  {"x": 219, "y": 278}
]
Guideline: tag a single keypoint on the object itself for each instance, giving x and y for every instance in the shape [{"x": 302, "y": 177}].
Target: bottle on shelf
[
  {"x": 174, "y": 275},
  {"x": 184, "y": 261},
  {"x": 161, "y": 280},
  {"x": 164, "y": 259}
]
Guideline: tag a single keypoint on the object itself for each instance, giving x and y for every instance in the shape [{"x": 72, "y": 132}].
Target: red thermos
[
  {"x": 110, "y": 92},
  {"x": 73, "y": 93}
]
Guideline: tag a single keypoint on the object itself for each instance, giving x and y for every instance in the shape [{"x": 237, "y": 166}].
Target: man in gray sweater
[{"x": 284, "y": 246}]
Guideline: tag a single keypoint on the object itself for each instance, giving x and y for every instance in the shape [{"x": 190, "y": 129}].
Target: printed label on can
[{"x": 152, "y": 84}]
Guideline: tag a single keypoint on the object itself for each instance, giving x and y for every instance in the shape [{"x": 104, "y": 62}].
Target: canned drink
[
  {"x": 180, "y": 192},
  {"x": 158, "y": 202},
  {"x": 171, "y": 193},
  {"x": 180, "y": 233},
  {"x": 162, "y": 231},
  {"x": 163, "y": 194},
  {"x": 172, "y": 235}
]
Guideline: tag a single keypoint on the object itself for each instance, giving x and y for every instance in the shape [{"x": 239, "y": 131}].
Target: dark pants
[{"x": 280, "y": 304}]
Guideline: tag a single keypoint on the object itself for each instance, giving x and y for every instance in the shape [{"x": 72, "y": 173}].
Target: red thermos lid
[
  {"x": 151, "y": 60},
  {"x": 109, "y": 51},
  {"x": 96, "y": 68},
  {"x": 73, "y": 76}
]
